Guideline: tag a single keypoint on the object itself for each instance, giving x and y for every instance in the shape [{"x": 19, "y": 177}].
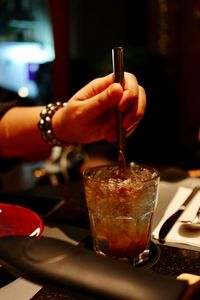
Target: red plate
[{"x": 19, "y": 220}]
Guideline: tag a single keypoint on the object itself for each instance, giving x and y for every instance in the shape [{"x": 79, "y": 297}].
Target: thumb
[{"x": 105, "y": 100}]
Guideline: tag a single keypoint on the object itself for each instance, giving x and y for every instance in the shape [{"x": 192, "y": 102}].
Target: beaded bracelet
[{"x": 45, "y": 123}]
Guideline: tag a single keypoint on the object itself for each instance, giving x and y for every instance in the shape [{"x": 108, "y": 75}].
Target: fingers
[
  {"x": 100, "y": 84},
  {"x": 131, "y": 93},
  {"x": 141, "y": 103},
  {"x": 104, "y": 101},
  {"x": 130, "y": 82},
  {"x": 131, "y": 129},
  {"x": 133, "y": 116},
  {"x": 131, "y": 102},
  {"x": 111, "y": 135},
  {"x": 94, "y": 87},
  {"x": 94, "y": 105},
  {"x": 102, "y": 94}
]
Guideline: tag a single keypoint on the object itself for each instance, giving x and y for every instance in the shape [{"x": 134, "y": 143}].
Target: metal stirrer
[{"x": 118, "y": 69}]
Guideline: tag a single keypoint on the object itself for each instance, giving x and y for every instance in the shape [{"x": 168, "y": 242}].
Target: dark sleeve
[
  {"x": 7, "y": 164},
  {"x": 4, "y": 106}
]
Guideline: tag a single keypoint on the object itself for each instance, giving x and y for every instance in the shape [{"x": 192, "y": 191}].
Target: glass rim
[{"x": 144, "y": 166}]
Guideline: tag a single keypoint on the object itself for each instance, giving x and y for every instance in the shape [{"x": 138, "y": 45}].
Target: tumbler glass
[{"x": 121, "y": 210}]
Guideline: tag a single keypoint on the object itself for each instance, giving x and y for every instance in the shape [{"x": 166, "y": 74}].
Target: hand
[{"x": 90, "y": 115}]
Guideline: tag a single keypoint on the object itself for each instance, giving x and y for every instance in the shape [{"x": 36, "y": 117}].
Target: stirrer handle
[{"x": 118, "y": 69}]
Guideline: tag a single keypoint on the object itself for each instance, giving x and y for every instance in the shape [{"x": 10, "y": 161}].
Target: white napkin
[
  {"x": 179, "y": 235},
  {"x": 19, "y": 289}
]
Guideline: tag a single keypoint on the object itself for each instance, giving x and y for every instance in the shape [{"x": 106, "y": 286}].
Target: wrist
[{"x": 46, "y": 125}]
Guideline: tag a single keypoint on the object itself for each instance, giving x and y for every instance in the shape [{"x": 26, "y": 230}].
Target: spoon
[{"x": 195, "y": 223}]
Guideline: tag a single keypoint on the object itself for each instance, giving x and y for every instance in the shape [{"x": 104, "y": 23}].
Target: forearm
[
  {"x": 19, "y": 134},
  {"x": 88, "y": 117}
]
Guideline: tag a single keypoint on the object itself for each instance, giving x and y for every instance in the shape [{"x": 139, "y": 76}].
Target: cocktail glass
[{"x": 121, "y": 210}]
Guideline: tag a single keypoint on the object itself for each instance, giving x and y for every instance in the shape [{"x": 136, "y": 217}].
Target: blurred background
[{"x": 51, "y": 48}]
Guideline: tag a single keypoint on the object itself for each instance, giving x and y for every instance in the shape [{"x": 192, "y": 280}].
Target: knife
[{"x": 169, "y": 223}]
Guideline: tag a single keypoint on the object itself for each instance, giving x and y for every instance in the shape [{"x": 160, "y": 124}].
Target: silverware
[
  {"x": 168, "y": 224},
  {"x": 118, "y": 70},
  {"x": 193, "y": 224}
]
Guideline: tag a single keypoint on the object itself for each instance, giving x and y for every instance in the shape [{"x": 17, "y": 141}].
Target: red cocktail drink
[{"x": 121, "y": 209}]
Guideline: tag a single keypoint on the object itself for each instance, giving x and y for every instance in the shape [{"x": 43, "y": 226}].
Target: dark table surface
[{"x": 170, "y": 261}]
